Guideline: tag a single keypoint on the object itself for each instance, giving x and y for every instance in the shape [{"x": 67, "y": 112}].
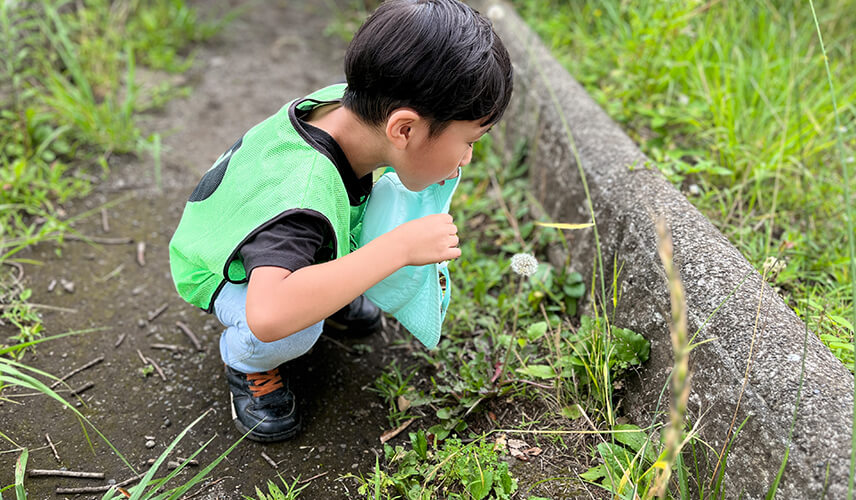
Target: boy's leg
[{"x": 261, "y": 396}]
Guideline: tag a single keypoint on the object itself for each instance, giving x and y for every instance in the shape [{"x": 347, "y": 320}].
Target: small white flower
[
  {"x": 524, "y": 264},
  {"x": 495, "y": 12}
]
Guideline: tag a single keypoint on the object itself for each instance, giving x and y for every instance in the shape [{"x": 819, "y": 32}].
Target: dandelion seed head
[
  {"x": 495, "y": 12},
  {"x": 524, "y": 264}
]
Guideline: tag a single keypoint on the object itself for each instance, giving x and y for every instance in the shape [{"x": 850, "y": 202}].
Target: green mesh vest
[{"x": 270, "y": 172}]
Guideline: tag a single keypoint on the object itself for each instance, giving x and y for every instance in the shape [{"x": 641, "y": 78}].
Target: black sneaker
[
  {"x": 263, "y": 403},
  {"x": 359, "y": 318}
]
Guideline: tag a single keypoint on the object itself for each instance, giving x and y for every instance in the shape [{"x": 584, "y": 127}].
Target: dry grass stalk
[{"x": 680, "y": 371}]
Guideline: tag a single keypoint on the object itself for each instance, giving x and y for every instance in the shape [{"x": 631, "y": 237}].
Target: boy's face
[{"x": 433, "y": 160}]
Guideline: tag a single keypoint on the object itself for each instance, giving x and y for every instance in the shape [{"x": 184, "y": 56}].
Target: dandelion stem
[{"x": 513, "y": 329}]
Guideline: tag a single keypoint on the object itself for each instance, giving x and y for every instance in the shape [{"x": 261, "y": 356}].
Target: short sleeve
[{"x": 295, "y": 241}]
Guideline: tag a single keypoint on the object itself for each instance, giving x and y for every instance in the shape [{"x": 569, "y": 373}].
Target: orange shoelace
[{"x": 264, "y": 382}]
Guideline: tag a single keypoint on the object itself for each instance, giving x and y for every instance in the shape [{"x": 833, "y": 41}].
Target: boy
[{"x": 266, "y": 241}]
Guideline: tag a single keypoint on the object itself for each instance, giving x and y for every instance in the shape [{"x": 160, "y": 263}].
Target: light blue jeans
[{"x": 239, "y": 347}]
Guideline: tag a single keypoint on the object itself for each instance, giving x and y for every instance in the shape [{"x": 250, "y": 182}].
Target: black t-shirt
[{"x": 304, "y": 237}]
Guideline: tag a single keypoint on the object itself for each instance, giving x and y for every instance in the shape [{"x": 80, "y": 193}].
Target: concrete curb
[{"x": 627, "y": 197}]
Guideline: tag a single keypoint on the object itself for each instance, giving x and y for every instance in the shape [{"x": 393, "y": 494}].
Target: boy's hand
[{"x": 428, "y": 240}]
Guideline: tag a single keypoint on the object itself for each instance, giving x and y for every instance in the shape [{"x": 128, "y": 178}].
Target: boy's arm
[{"x": 280, "y": 303}]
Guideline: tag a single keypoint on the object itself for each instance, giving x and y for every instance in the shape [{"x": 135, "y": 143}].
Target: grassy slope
[{"x": 730, "y": 101}]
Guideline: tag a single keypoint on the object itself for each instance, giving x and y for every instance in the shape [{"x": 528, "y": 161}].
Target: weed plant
[
  {"x": 68, "y": 99},
  {"x": 730, "y": 101},
  {"x": 507, "y": 338},
  {"x": 452, "y": 470}
]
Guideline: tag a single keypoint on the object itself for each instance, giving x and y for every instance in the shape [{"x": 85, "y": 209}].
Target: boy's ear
[{"x": 402, "y": 125}]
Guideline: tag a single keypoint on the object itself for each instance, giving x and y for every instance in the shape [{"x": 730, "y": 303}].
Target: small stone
[
  {"x": 141, "y": 323},
  {"x": 150, "y": 443},
  {"x": 67, "y": 285}
]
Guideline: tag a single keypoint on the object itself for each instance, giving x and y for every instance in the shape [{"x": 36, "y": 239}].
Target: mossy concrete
[{"x": 755, "y": 352}]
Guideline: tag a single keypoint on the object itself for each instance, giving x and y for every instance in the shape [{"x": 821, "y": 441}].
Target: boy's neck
[{"x": 361, "y": 144}]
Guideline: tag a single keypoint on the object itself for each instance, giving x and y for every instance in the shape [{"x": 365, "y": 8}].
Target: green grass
[
  {"x": 730, "y": 101},
  {"x": 507, "y": 337},
  {"x": 68, "y": 100}
]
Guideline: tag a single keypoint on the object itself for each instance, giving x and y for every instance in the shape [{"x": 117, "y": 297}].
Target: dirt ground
[{"x": 274, "y": 52}]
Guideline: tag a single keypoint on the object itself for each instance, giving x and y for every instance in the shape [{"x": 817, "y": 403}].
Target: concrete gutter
[{"x": 752, "y": 322}]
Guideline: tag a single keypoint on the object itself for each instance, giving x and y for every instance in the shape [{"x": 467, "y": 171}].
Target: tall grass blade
[
  {"x": 11, "y": 373},
  {"x": 139, "y": 489},
  {"x": 58, "y": 35},
  {"x": 20, "y": 467},
  {"x": 851, "y": 239},
  {"x": 717, "y": 491}
]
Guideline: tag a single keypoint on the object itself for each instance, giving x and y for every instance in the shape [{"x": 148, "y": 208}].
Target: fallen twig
[
  {"x": 157, "y": 368},
  {"x": 79, "y": 390},
  {"x": 386, "y": 436},
  {"x": 141, "y": 253},
  {"x": 166, "y": 347},
  {"x": 41, "y": 306},
  {"x": 269, "y": 460},
  {"x": 112, "y": 273},
  {"x": 177, "y": 462},
  {"x": 336, "y": 342},
  {"x": 316, "y": 476},
  {"x": 142, "y": 358},
  {"x": 202, "y": 489},
  {"x": 119, "y": 340},
  {"x": 536, "y": 384},
  {"x": 96, "y": 239},
  {"x": 19, "y": 450},
  {"x": 78, "y": 370},
  {"x": 184, "y": 328},
  {"x": 53, "y": 448},
  {"x": 157, "y": 312},
  {"x": 97, "y": 489},
  {"x": 105, "y": 223},
  {"x": 65, "y": 473}
]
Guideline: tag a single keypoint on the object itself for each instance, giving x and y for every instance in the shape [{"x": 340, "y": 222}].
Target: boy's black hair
[{"x": 440, "y": 58}]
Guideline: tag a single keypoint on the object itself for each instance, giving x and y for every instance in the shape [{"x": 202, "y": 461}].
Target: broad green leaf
[
  {"x": 633, "y": 437},
  {"x": 538, "y": 371},
  {"x": 572, "y": 412},
  {"x": 536, "y": 330}
]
